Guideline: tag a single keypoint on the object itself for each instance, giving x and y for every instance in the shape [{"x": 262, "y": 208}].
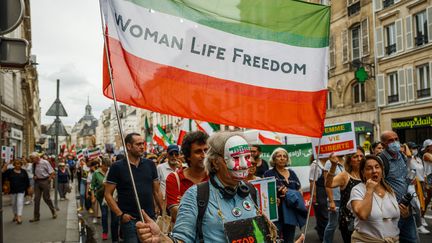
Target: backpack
[
  {"x": 203, "y": 194},
  {"x": 386, "y": 163}
]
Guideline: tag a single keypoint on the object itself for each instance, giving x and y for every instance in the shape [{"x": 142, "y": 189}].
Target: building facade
[
  {"x": 19, "y": 98},
  {"x": 350, "y": 50},
  {"x": 404, "y": 74}
]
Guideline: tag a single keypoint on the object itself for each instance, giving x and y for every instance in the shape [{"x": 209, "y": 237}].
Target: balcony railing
[
  {"x": 421, "y": 93},
  {"x": 387, "y": 3},
  {"x": 354, "y": 8},
  {"x": 391, "y": 49},
  {"x": 393, "y": 98},
  {"x": 421, "y": 39}
]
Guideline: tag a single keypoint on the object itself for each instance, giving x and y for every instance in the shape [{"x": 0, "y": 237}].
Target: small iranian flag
[
  {"x": 80, "y": 154},
  {"x": 160, "y": 137},
  {"x": 269, "y": 138},
  {"x": 93, "y": 153},
  {"x": 207, "y": 127},
  {"x": 185, "y": 128}
]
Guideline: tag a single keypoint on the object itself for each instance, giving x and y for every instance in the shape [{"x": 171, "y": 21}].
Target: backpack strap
[{"x": 203, "y": 194}]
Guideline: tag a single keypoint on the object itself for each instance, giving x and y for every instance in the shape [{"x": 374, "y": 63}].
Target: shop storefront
[
  {"x": 364, "y": 134},
  {"x": 15, "y": 140},
  {"x": 413, "y": 129}
]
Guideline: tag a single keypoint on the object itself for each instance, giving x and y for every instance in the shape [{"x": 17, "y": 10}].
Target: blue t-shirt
[
  {"x": 212, "y": 224},
  {"x": 144, "y": 174}
]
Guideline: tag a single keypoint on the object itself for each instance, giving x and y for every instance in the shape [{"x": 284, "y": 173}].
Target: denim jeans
[
  {"x": 408, "y": 230},
  {"x": 333, "y": 221},
  {"x": 104, "y": 211},
  {"x": 129, "y": 232},
  {"x": 82, "y": 192},
  {"x": 114, "y": 227}
]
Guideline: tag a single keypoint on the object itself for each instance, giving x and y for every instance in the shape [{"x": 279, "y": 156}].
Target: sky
[{"x": 68, "y": 44}]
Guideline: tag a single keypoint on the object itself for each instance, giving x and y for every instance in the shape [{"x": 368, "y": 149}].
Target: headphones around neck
[{"x": 228, "y": 192}]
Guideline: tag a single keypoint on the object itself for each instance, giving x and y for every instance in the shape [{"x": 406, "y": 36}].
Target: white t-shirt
[
  {"x": 427, "y": 165},
  {"x": 384, "y": 217},
  {"x": 163, "y": 171},
  {"x": 417, "y": 165},
  {"x": 316, "y": 167}
]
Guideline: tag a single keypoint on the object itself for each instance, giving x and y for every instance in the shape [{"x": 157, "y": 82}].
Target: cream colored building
[
  {"x": 351, "y": 47},
  {"x": 20, "y": 125},
  {"x": 404, "y": 74}
]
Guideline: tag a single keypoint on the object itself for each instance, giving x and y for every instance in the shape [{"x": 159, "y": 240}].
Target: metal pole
[
  {"x": 56, "y": 148},
  {"x": 375, "y": 69},
  {"x": 1, "y": 178},
  {"x": 312, "y": 192},
  {"x": 117, "y": 113}
]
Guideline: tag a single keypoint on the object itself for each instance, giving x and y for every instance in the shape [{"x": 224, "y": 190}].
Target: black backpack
[{"x": 203, "y": 194}]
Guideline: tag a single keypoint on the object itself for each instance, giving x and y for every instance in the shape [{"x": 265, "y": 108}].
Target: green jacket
[{"x": 97, "y": 184}]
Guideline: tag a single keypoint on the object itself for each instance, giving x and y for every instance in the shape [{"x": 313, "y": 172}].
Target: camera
[{"x": 406, "y": 199}]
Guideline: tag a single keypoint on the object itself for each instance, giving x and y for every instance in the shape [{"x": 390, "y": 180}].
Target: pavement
[{"x": 64, "y": 229}]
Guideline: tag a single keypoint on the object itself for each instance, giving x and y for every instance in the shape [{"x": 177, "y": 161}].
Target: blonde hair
[{"x": 273, "y": 156}]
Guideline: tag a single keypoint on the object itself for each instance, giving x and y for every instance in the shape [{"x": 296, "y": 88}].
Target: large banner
[
  {"x": 337, "y": 138},
  {"x": 217, "y": 60},
  {"x": 299, "y": 153}
]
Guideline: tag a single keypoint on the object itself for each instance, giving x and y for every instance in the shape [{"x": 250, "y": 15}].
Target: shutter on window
[
  {"x": 345, "y": 52},
  {"x": 378, "y": 5},
  {"x": 429, "y": 23},
  {"x": 430, "y": 76},
  {"x": 402, "y": 86},
  {"x": 409, "y": 83},
  {"x": 409, "y": 34},
  {"x": 399, "y": 36},
  {"x": 396, "y": 1},
  {"x": 365, "y": 37},
  {"x": 379, "y": 42},
  {"x": 381, "y": 90},
  {"x": 332, "y": 53}
]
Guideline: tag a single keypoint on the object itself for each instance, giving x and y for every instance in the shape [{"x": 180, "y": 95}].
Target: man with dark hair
[
  {"x": 262, "y": 165},
  {"x": 146, "y": 182},
  {"x": 194, "y": 147},
  {"x": 398, "y": 181}
]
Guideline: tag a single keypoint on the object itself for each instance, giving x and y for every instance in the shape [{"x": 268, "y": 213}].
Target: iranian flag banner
[
  {"x": 80, "y": 154},
  {"x": 93, "y": 153},
  {"x": 256, "y": 65},
  {"x": 269, "y": 138},
  {"x": 185, "y": 128},
  {"x": 160, "y": 137},
  {"x": 207, "y": 127}
]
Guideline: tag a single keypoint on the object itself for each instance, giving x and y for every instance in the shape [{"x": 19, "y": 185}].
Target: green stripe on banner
[
  {"x": 271, "y": 187},
  {"x": 335, "y": 129},
  {"x": 299, "y": 153},
  {"x": 292, "y": 22}
]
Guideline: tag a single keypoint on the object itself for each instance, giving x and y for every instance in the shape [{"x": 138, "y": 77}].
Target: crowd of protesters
[{"x": 381, "y": 194}]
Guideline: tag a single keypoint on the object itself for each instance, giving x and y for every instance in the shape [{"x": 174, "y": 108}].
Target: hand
[
  {"x": 404, "y": 211},
  {"x": 300, "y": 239},
  {"x": 148, "y": 231},
  {"x": 333, "y": 159},
  {"x": 282, "y": 191},
  {"x": 332, "y": 206},
  {"x": 278, "y": 201},
  {"x": 126, "y": 218},
  {"x": 370, "y": 185}
]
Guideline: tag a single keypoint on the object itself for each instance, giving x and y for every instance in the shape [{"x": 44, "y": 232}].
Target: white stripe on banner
[{"x": 177, "y": 42}]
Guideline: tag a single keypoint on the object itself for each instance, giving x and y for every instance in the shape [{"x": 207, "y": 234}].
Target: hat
[
  {"x": 426, "y": 143},
  {"x": 172, "y": 148},
  {"x": 62, "y": 164},
  {"x": 412, "y": 145}
]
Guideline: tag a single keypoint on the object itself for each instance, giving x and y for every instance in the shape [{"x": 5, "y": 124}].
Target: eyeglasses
[{"x": 174, "y": 154}]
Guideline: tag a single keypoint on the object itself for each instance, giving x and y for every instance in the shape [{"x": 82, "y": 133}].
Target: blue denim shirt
[
  {"x": 212, "y": 225},
  {"x": 396, "y": 177}
]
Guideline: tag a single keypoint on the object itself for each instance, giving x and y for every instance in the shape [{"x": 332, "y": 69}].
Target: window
[
  {"x": 355, "y": 42},
  {"x": 332, "y": 55},
  {"x": 387, "y": 3},
  {"x": 359, "y": 93},
  {"x": 390, "y": 39},
  {"x": 329, "y": 100},
  {"x": 393, "y": 88},
  {"x": 353, "y": 7},
  {"x": 421, "y": 29},
  {"x": 423, "y": 81}
]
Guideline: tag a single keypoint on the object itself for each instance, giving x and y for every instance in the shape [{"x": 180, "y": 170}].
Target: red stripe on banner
[
  {"x": 180, "y": 137},
  {"x": 335, "y": 147},
  {"x": 178, "y": 92}
]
